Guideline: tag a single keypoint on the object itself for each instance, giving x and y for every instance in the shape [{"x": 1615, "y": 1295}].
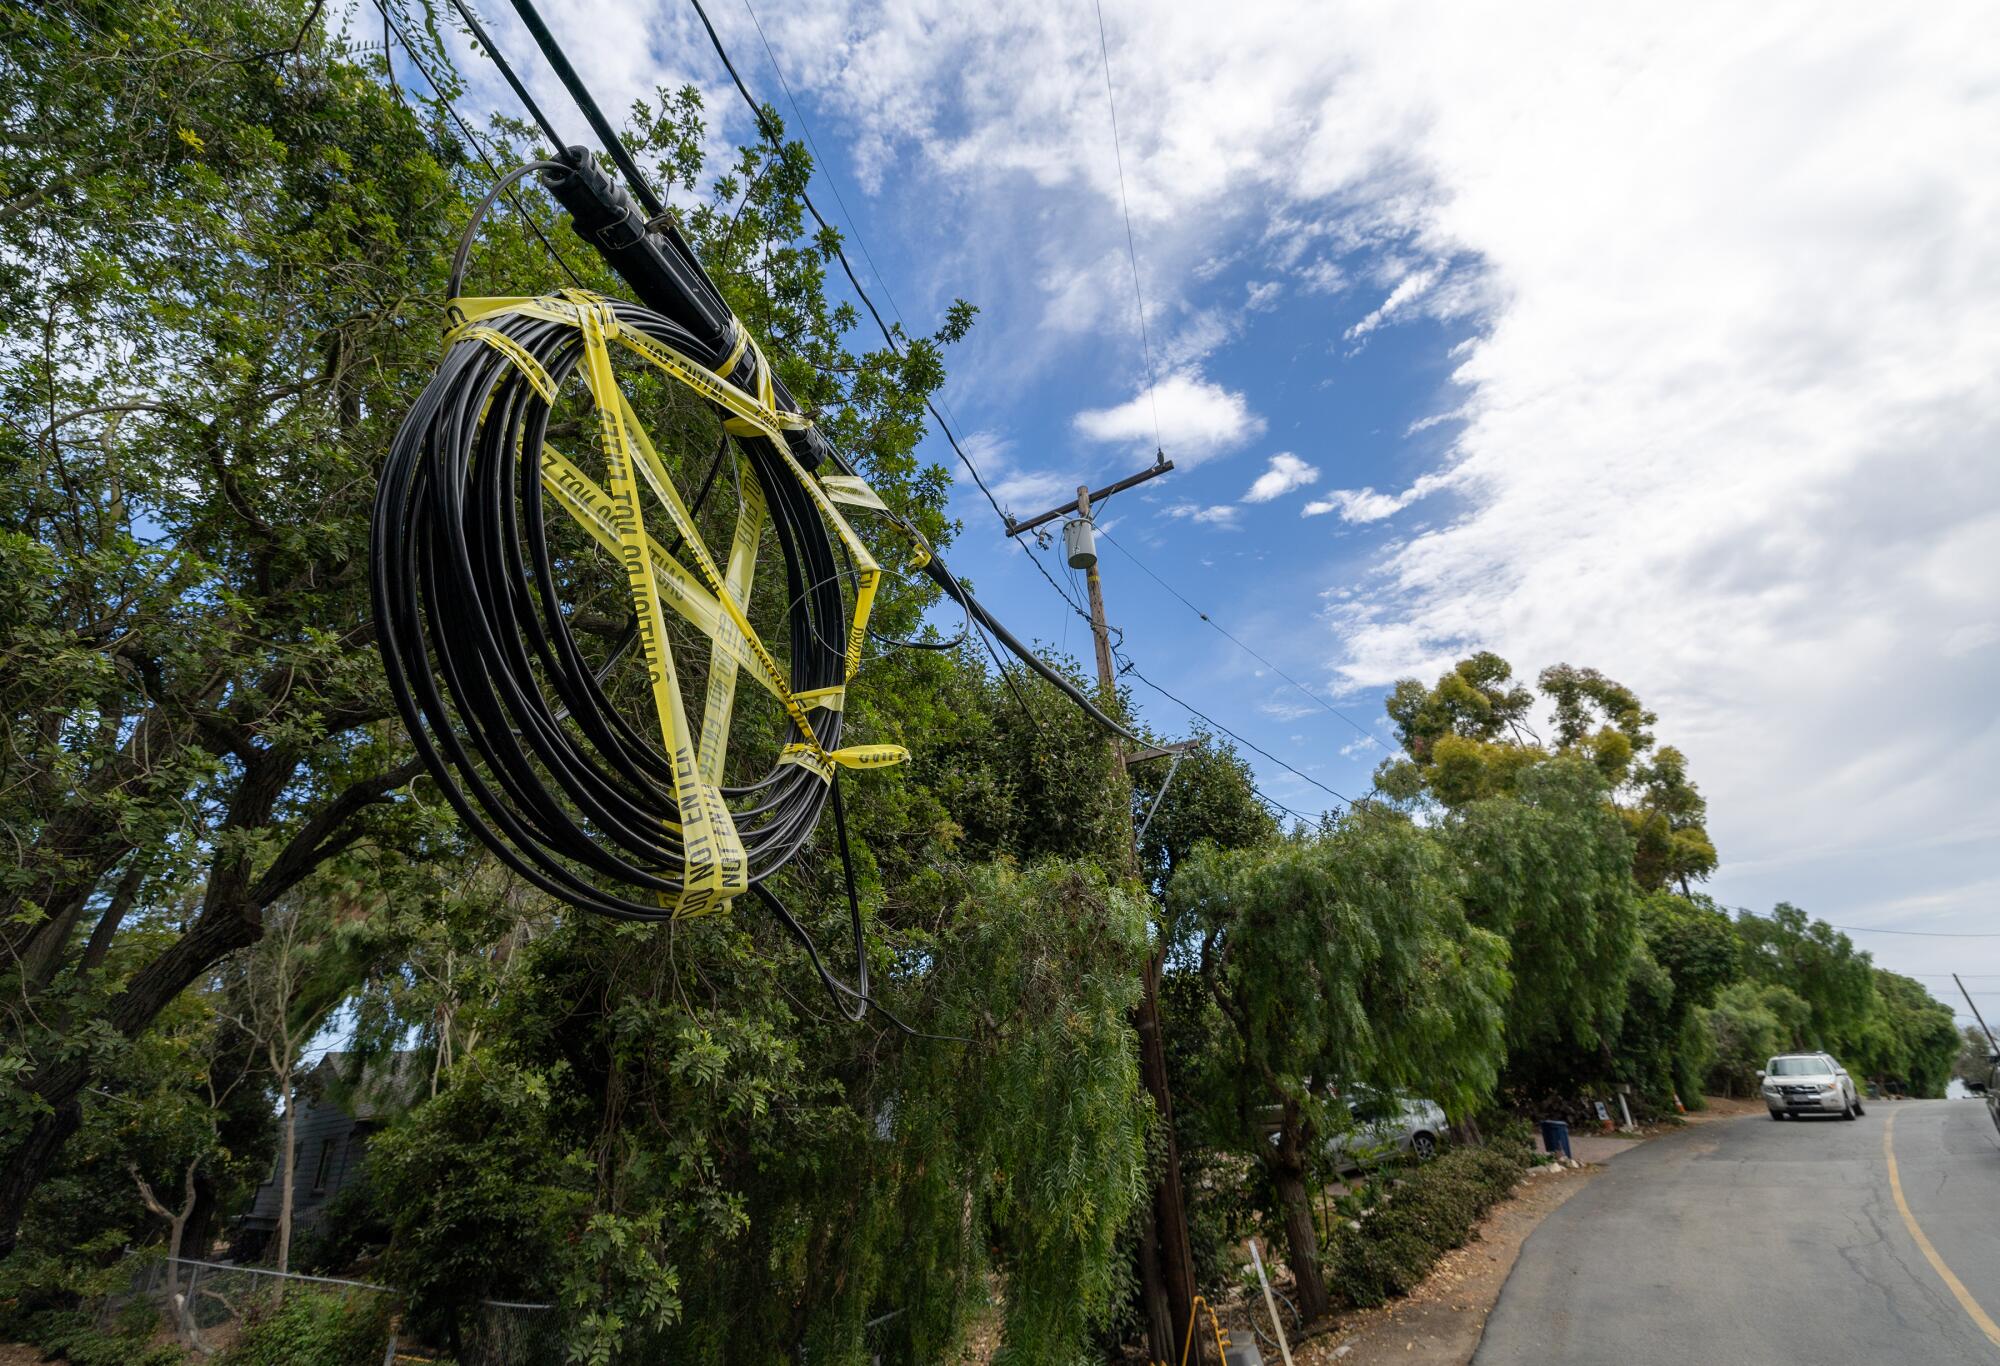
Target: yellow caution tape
[
  {"x": 711, "y": 599},
  {"x": 515, "y": 352},
  {"x": 714, "y": 866}
]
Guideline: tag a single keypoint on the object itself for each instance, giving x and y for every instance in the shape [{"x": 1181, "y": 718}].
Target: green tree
[
  {"x": 1670, "y": 843},
  {"x": 1548, "y": 868},
  {"x": 1336, "y": 961},
  {"x": 1463, "y": 739},
  {"x": 1466, "y": 738},
  {"x": 1597, "y": 717},
  {"x": 1974, "y": 1064},
  {"x": 660, "y": 1141},
  {"x": 1912, "y": 1041},
  {"x": 1694, "y": 944},
  {"x": 1787, "y": 948},
  {"x": 1748, "y": 1023},
  {"x": 223, "y": 244},
  {"x": 1210, "y": 801}
]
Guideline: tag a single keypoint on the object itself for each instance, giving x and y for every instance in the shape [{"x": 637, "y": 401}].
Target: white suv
[{"x": 1809, "y": 1084}]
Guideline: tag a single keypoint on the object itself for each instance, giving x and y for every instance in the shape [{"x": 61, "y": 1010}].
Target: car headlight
[{"x": 1830, "y": 1087}]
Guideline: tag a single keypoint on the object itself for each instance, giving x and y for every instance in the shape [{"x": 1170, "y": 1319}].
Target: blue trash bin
[{"x": 1555, "y": 1138}]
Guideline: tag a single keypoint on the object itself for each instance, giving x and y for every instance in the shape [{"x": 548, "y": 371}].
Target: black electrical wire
[
  {"x": 507, "y": 73},
  {"x": 491, "y": 682},
  {"x": 472, "y": 137},
  {"x": 585, "y": 101}
]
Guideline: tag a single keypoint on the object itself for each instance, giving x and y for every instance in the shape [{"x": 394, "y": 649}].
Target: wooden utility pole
[{"x": 1166, "y": 1259}]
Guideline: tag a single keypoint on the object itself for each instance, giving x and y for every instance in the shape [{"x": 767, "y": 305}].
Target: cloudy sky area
[{"x": 1662, "y": 340}]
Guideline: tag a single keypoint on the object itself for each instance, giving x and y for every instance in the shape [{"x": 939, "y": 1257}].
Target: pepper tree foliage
[
  {"x": 1335, "y": 961},
  {"x": 223, "y": 241}
]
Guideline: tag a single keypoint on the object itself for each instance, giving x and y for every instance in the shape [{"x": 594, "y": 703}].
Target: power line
[
  {"x": 821, "y": 163},
  {"x": 471, "y": 136},
  {"x": 1922, "y": 934},
  {"x": 1131, "y": 249},
  {"x": 764, "y": 127},
  {"x": 889, "y": 336},
  {"x": 1230, "y": 636},
  {"x": 1133, "y": 669}
]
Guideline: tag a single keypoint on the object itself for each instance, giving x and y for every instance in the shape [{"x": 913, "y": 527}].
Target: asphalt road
[{"x": 1753, "y": 1242}]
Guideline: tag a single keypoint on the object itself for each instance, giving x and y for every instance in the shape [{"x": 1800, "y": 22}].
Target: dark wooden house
[{"x": 340, "y": 1105}]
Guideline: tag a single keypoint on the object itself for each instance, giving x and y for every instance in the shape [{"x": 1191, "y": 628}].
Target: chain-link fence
[{"x": 212, "y": 1304}]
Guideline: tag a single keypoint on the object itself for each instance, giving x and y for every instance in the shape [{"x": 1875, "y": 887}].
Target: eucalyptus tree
[{"x": 1549, "y": 867}]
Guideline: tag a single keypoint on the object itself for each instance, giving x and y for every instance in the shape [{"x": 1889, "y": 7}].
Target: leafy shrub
[
  {"x": 73, "y": 1336},
  {"x": 313, "y": 1328},
  {"x": 1402, "y": 1227}
]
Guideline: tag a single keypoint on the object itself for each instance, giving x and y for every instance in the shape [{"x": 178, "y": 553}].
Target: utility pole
[
  {"x": 1977, "y": 1016},
  {"x": 1166, "y": 1260}
]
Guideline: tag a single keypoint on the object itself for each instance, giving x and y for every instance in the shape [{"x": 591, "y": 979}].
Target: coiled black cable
[{"x": 485, "y": 665}]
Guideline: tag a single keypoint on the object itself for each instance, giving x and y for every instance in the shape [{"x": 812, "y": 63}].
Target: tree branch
[{"x": 328, "y": 831}]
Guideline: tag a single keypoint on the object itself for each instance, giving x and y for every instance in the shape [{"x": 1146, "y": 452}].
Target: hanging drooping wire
[
  {"x": 1230, "y": 636},
  {"x": 478, "y": 143},
  {"x": 504, "y": 702},
  {"x": 1131, "y": 246}
]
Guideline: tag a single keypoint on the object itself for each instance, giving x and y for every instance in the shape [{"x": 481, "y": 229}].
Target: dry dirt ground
[{"x": 14, "y": 1354}]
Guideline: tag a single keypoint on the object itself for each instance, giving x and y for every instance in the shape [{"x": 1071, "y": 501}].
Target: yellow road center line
[{"x": 1951, "y": 1282}]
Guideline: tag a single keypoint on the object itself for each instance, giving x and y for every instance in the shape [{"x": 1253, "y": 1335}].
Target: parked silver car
[
  {"x": 1809, "y": 1084},
  {"x": 1385, "y": 1125}
]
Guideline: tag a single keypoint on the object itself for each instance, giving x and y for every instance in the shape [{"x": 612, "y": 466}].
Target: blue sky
[{"x": 1662, "y": 342}]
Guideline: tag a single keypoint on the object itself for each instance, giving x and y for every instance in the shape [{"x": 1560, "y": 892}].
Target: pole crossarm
[{"x": 1153, "y": 471}]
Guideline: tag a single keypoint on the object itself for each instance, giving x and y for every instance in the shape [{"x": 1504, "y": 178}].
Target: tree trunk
[
  {"x": 1176, "y": 1256},
  {"x": 286, "y": 1169},
  {"x": 176, "y": 1226},
  {"x": 1301, "y": 1235},
  {"x": 1161, "y": 1330},
  {"x": 200, "y": 1231}
]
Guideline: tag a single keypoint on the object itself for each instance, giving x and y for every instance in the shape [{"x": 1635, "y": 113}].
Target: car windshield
[{"x": 1797, "y": 1067}]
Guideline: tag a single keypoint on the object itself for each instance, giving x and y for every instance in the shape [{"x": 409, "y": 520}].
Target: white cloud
[
  {"x": 1424, "y": 424},
  {"x": 1766, "y": 501},
  {"x": 1408, "y": 290},
  {"x": 1323, "y": 277},
  {"x": 1366, "y": 505},
  {"x": 1285, "y": 473},
  {"x": 1260, "y": 296},
  {"x": 1286, "y": 707},
  {"x": 1021, "y": 491},
  {"x": 1197, "y": 419},
  {"x": 1220, "y": 514}
]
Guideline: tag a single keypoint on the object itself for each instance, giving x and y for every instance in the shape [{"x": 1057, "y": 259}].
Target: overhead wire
[
  {"x": 478, "y": 144},
  {"x": 1069, "y": 599},
  {"x": 1189, "y": 707},
  {"x": 1131, "y": 247},
  {"x": 824, "y": 167},
  {"x": 1232, "y": 638},
  {"x": 1921, "y": 934},
  {"x": 847, "y": 267}
]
